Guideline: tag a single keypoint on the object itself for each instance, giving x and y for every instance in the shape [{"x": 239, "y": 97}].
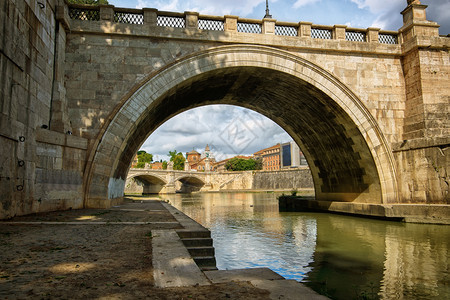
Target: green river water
[{"x": 342, "y": 257}]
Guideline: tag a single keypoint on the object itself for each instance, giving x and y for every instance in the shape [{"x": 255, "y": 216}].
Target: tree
[
  {"x": 143, "y": 158},
  {"x": 240, "y": 164},
  {"x": 178, "y": 160},
  {"x": 91, "y": 2}
]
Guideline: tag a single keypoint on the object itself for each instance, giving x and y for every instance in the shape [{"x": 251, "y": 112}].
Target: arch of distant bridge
[{"x": 163, "y": 178}]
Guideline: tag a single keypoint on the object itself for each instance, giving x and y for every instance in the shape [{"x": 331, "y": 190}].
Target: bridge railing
[
  {"x": 193, "y": 20},
  {"x": 249, "y": 25},
  {"x": 321, "y": 32},
  {"x": 170, "y": 19},
  {"x": 286, "y": 29},
  {"x": 128, "y": 16},
  {"x": 388, "y": 37},
  {"x": 211, "y": 23}
]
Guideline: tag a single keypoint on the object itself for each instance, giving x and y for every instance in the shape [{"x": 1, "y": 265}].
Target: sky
[
  {"x": 228, "y": 130},
  {"x": 384, "y": 14},
  {"x": 216, "y": 125}
]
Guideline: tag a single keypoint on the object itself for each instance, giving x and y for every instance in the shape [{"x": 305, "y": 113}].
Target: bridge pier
[{"x": 168, "y": 189}]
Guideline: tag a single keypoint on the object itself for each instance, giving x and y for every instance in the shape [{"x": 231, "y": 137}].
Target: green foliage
[
  {"x": 164, "y": 165},
  {"x": 172, "y": 154},
  {"x": 178, "y": 160},
  {"x": 143, "y": 158},
  {"x": 240, "y": 164},
  {"x": 140, "y": 165},
  {"x": 91, "y": 2},
  {"x": 258, "y": 163}
]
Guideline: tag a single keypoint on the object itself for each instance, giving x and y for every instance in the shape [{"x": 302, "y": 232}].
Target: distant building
[
  {"x": 154, "y": 165},
  {"x": 286, "y": 155},
  {"x": 291, "y": 156},
  {"x": 134, "y": 162},
  {"x": 270, "y": 157},
  {"x": 200, "y": 162},
  {"x": 192, "y": 157}
]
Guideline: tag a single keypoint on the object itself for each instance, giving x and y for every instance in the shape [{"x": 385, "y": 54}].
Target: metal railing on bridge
[{"x": 217, "y": 23}]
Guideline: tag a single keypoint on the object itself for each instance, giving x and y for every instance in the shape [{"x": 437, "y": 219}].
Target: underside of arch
[
  {"x": 145, "y": 184},
  {"x": 150, "y": 179},
  {"x": 345, "y": 149},
  {"x": 190, "y": 184}
]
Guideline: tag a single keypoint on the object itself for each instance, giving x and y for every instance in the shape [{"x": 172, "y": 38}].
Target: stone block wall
[
  {"x": 230, "y": 181},
  {"x": 59, "y": 170},
  {"x": 283, "y": 180},
  {"x": 40, "y": 169},
  {"x": 101, "y": 70},
  {"x": 27, "y": 34}
]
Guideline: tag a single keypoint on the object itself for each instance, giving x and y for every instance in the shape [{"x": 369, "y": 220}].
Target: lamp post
[{"x": 268, "y": 15}]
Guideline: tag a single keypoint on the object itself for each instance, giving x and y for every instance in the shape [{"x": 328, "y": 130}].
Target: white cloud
[
  {"x": 377, "y": 6},
  {"x": 300, "y": 3},
  {"x": 161, "y": 5},
  {"x": 387, "y": 13},
  {"x": 220, "y": 8},
  {"x": 439, "y": 11},
  {"x": 229, "y": 130}
]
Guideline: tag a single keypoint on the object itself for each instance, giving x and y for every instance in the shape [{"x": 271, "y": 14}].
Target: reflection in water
[{"x": 340, "y": 256}]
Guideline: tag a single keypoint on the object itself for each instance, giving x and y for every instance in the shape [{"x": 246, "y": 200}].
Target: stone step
[
  {"x": 208, "y": 269},
  {"x": 205, "y": 261},
  {"x": 173, "y": 266},
  {"x": 197, "y": 242},
  {"x": 201, "y": 251},
  {"x": 187, "y": 234}
]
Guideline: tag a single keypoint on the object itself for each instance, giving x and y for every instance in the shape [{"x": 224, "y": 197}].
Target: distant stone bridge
[{"x": 147, "y": 181}]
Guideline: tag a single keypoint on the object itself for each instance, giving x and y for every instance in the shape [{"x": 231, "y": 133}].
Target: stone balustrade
[{"x": 194, "y": 20}]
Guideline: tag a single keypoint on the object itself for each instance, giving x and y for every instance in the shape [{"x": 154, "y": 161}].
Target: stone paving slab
[
  {"x": 242, "y": 275},
  {"x": 150, "y": 212},
  {"x": 266, "y": 279},
  {"x": 171, "y": 224},
  {"x": 287, "y": 290}
]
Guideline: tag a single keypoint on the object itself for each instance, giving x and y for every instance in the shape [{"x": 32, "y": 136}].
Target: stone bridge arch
[
  {"x": 190, "y": 183},
  {"x": 349, "y": 156},
  {"x": 151, "y": 177},
  {"x": 151, "y": 183}
]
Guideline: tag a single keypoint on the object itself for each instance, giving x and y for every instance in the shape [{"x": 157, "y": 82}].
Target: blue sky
[
  {"x": 216, "y": 125},
  {"x": 384, "y": 14}
]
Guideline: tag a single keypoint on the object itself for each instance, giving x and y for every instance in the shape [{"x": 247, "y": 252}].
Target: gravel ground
[{"x": 107, "y": 260}]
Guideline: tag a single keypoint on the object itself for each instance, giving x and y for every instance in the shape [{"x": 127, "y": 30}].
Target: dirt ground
[{"x": 91, "y": 260}]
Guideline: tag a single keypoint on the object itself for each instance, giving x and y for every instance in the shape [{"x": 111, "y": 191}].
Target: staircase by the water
[{"x": 200, "y": 246}]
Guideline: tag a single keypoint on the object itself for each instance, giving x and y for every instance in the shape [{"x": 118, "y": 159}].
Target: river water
[{"x": 342, "y": 257}]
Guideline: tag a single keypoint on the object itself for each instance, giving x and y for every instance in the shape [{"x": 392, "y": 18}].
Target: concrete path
[{"x": 266, "y": 279}]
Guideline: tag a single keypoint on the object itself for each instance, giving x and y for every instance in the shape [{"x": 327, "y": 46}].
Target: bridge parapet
[{"x": 194, "y": 20}]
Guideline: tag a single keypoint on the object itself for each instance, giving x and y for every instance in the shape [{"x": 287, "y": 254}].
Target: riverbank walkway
[{"x": 131, "y": 251}]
